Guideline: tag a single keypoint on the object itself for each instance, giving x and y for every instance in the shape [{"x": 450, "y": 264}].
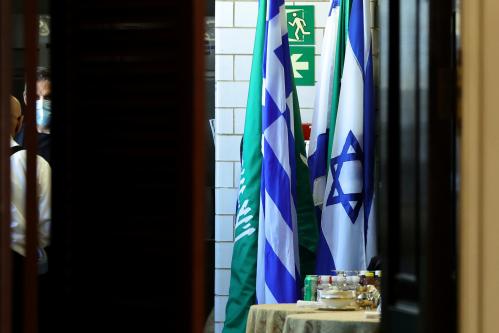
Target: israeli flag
[
  {"x": 318, "y": 145},
  {"x": 347, "y": 225},
  {"x": 278, "y": 269}
]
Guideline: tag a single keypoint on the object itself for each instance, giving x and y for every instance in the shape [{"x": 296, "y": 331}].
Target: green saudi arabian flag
[{"x": 242, "y": 291}]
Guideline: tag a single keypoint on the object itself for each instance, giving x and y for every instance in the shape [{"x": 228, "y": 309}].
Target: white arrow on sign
[{"x": 298, "y": 65}]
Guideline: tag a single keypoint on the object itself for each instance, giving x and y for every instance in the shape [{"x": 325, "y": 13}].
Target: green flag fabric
[
  {"x": 242, "y": 291},
  {"x": 341, "y": 42},
  {"x": 305, "y": 211}
]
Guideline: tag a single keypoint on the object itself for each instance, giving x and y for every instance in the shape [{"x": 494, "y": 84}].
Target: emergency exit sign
[{"x": 301, "y": 36}]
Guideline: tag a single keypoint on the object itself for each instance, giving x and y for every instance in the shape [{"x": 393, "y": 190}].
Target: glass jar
[
  {"x": 352, "y": 280},
  {"x": 324, "y": 283}
]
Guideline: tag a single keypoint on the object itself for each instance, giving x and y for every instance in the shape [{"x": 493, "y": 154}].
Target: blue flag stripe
[
  {"x": 273, "y": 8},
  {"x": 279, "y": 52},
  {"x": 369, "y": 138},
  {"x": 319, "y": 158},
  {"x": 277, "y": 184},
  {"x": 272, "y": 111},
  {"x": 356, "y": 31},
  {"x": 277, "y": 138},
  {"x": 279, "y": 235},
  {"x": 335, "y": 3},
  {"x": 325, "y": 261},
  {"x": 291, "y": 149},
  {"x": 278, "y": 279},
  {"x": 285, "y": 61}
]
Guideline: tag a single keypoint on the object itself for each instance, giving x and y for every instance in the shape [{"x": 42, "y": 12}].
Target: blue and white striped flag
[
  {"x": 318, "y": 146},
  {"x": 348, "y": 217},
  {"x": 278, "y": 277}
]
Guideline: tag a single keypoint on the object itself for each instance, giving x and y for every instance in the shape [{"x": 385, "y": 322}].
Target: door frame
[{"x": 478, "y": 229}]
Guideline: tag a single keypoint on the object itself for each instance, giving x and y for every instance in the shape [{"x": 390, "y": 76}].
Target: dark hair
[{"x": 42, "y": 73}]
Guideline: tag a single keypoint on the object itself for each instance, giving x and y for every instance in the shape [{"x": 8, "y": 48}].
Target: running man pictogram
[{"x": 300, "y": 26}]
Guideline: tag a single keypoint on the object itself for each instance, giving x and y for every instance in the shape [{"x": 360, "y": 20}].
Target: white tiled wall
[
  {"x": 223, "y": 254},
  {"x": 224, "y": 14},
  {"x": 220, "y": 303},
  {"x": 231, "y": 94},
  {"x": 242, "y": 67},
  {"x": 222, "y": 280},
  {"x": 235, "y": 23},
  {"x": 239, "y": 115},
  {"x": 225, "y": 68},
  {"x": 225, "y": 201},
  {"x": 224, "y": 174},
  {"x": 224, "y": 228},
  {"x": 234, "y": 40},
  {"x": 245, "y": 14},
  {"x": 224, "y": 121}
]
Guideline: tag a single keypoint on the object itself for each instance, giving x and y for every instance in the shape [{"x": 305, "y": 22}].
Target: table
[
  {"x": 289, "y": 318},
  {"x": 331, "y": 322},
  {"x": 270, "y": 317}
]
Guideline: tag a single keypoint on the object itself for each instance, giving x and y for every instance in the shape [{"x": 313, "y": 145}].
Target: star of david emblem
[{"x": 351, "y": 152}]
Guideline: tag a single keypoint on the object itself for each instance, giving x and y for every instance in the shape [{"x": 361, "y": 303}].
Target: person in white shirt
[
  {"x": 18, "y": 221},
  {"x": 18, "y": 187}
]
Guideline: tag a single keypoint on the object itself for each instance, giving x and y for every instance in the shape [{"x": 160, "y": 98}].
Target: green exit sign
[
  {"x": 303, "y": 62},
  {"x": 301, "y": 36}
]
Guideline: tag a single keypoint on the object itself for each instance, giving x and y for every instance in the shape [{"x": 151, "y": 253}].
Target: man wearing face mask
[{"x": 43, "y": 112}]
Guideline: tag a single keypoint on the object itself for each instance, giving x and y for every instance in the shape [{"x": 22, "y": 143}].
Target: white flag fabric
[
  {"x": 318, "y": 145},
  {"x": 347, "y": 216}
]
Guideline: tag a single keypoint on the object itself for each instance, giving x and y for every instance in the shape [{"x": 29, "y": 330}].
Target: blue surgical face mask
[{"x": 43, "y": 113}]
